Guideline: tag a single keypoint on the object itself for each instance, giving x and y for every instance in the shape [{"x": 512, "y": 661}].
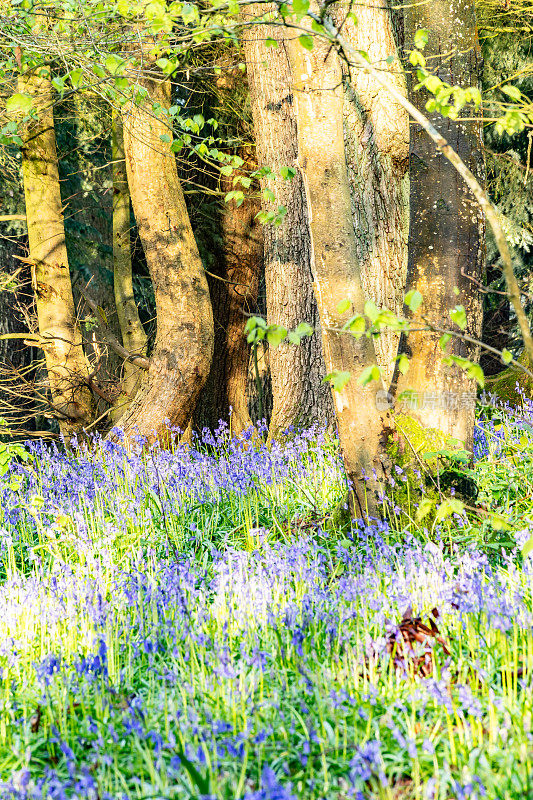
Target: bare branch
[{"x": 113, "y": 342}]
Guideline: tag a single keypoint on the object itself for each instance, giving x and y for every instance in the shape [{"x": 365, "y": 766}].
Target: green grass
[{"x": 199, "y": 624}]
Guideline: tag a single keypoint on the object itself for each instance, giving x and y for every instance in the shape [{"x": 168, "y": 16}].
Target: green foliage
[
  {"x": 338, "y": 379},
  {"x": 10, "y": 452},
  {"x": 256, "y": 329}
]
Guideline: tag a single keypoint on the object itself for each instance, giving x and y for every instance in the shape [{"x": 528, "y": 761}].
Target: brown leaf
[
  {"x": 35, "y": 720},
  {"x": 415, "y": 632}
]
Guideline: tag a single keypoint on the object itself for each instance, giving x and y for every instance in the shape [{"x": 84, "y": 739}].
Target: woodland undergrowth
[{"x": 205, "y": 623}]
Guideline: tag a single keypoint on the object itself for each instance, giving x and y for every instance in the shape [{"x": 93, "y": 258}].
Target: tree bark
[
  {"x": 446, "y": 245},
  {"x": 234, "y": 290},
  {"x": 243, "y": 257},
  {"x": 16, "y": 401},
  {"x": 183, "y": 348},
  {"x": 65, "y": 361},
  {"x": 337, "y": 277},
  {"x": 377, "y": 155},
  {"x": 133, "y": 334},
  {"x": 303, "y": 398}
]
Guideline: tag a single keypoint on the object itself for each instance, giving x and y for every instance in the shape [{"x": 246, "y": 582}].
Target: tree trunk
[
  {"x": 17, "y": 406},
  {"x": 88, "y": 233},
  {"x": 337, "y": 276},
  {"x": 446, "y": 244},
  {"x": 243, "y": 257},
  {"x": 377, "y": 155},
  {"x": 303, "y": 398},
  {"x": 59, "y": 330},
  {"x": 234, "y": 290},
  {"x": 134, "y": 337},
  {"x": 183, "y": 347}
]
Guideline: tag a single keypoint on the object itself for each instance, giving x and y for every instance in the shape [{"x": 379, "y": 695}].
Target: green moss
[
  {"x": 512, "y": 383},
  {"x": 415, "y": 439}
]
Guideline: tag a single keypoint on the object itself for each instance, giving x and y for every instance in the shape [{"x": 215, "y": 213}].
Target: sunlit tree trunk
[
  {"x": 336, "y": 272},
  {"x": 58, "y": 327},
  {"x": 377, "y": 155},
  {"x": 446, "y": 246},
  {"x": 183, "y": 348},
  {"x": 299, "y": 396},
  {"x": 133, "y": 335}
]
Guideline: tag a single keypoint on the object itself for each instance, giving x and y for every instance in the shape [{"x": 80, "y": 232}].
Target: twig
[{"x": 113, "y": 342}]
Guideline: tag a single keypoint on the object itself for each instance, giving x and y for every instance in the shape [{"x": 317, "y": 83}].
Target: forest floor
[{"x": 202, "y": 624}]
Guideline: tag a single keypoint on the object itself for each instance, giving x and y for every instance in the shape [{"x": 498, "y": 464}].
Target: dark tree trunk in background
[
  {"x": 183, "y": 349},
  {"x": 234, "y": 296},
  {"x": 299, "y": 396},
  {"x": 132, "y": 332},
  {"x": 16, "y": 403},
  {"x": 446, "y": 227},
  {"x": 496, "y": 324},
  {"x": 81, "y": 127}
]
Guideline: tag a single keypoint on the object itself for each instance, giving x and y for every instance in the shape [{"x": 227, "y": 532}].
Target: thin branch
[{"x": 113, "y": 342}]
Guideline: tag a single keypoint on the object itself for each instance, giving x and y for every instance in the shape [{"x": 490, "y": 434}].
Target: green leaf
[
  {"x": 276, "y": 334},
  {"x": 426, "y": 507},
  {"x": 507, "y": 356},
  {"x": 417, "y": 59},
  {"x": 448, "y": 507},
  {"x": 76, "y": 77},
  {"x": 113, "y": 64},
  {"x": 476, "y": 372},
  {"x": 356, "y": 325},
  {"x": 269, "y": 42},
  {"x": 287, "y": 173},
  {"x": 369, "y": 374},
  {"x": 197, "y": 779},
  {"x": 513, "y": 91},
  {"x": 59, "y": 84},
  {"x": 255, "y": 329},
  {"x": 499, "y": 523},
  {"x": 19, "y": 103},
  {"x": 338, "y": 379},
  {"x": 306, "y": 41},
  {"x": 432, "y": 84},
  {"x": 458, "y": 315},
  {"x": 444, "y": 339},
  {"x": 413, "y": 300},
  {"x": 300, "y": 7},
  {"x": 403, "y": 363},
  {"x": 527, "y": 548},
  {"x": 343, "y": 306},
  {"x": 371, "y": 310},
  {"x": 421, "y": 38},
  {"x": 304, "y": 329},
  {"x": 301, "y": 330}
]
